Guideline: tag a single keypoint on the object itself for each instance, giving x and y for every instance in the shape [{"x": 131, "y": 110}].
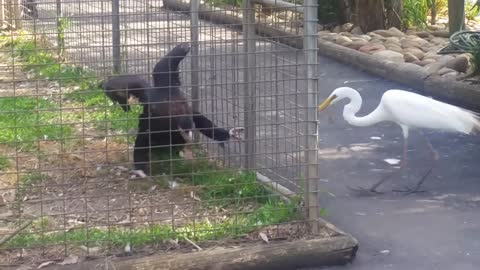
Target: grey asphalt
[{"x": 438, "y": 229}]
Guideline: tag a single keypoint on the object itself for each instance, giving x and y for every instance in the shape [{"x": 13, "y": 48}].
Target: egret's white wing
[{"x": 418, "y": 111}]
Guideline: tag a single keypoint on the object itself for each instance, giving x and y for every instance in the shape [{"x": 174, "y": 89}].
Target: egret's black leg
[
  {"x": 416, "y": 189},
  {"x": 435, "y": 157},
  {"x": 373, "y": 189},
  {"x": 403, "y": 164}
]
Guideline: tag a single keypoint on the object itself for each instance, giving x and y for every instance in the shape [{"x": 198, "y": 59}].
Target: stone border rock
[{"x": 413, "y": 75}]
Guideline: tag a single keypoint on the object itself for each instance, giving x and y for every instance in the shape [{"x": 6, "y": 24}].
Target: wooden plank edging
[{"x": 276, "y": 256}]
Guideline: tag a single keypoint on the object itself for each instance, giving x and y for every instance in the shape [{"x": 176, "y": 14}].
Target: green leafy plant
[
  {"x": 476, "y": 59},
  {"x": 471, "y": 10},
  {"x": 416, "y": 12},
  {"x": 328, "y": 11},
  {"x": 62, "y": 24},
  {"x": 43, "y": 61}
]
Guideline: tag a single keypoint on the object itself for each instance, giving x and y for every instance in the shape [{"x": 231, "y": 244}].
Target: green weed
[
  {"x": 32, "y": 179},
  {"x": 4, "y": 163},
  {"x": 24, "y": 120},
  {"x": 104, "y": 114},
  {"x": 269, "y": 214},
  {"x": 471, "y": 10},
  {"x": 62, "y": 24},
  {"x": 415, "y": 13},
  {"x": 44, "y": 62},
  {"x": 476, "y": 59}
]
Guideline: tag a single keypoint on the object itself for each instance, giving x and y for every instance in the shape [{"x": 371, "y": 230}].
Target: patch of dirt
[
  {"x": 83, "y": 182},
  {"x": 276, "y": 233},
  {"x": 86, "y": 182}
]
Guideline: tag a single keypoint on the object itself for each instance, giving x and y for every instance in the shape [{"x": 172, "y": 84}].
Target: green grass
[
  {"x": 24, "y": 120},
  {"x": 4, "y": 163},
  {"x": 471, "y": 11},
  {"x": 43, "y": 62},
  {"x": 236, "y": 190},
  {"x": 476, "y": 59},
  {"x": 101, "y": 110},
  {"x": 225, "y": 186},
  {"x": 254, "y": 205},
  {"x": 37, "y": 235},
  {"x": 32, "y": 179}
]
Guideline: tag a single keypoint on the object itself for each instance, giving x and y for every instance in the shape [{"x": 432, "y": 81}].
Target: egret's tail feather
[{"x": 476, "y": 125}]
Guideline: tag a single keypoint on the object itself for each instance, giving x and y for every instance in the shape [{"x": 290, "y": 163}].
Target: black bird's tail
[{"x": 165, "y": 72}]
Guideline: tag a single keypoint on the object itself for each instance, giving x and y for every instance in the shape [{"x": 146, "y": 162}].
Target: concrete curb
[{"x": 457, "y": 92}]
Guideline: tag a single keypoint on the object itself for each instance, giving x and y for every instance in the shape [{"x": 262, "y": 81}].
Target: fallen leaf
[
  {"x": 90, "y": 249},
  {"x": 173, "y": 184},
  {"x": 192, "y": 194},
  {"x": 173, "y": 242},
  {"x": 44, "y": 264},
  {"x": 153, "y": 188},
  {"x": 264, "y": 237},
  {"x": 72, "y": 259},
  {"x": 392, "y": 161}
]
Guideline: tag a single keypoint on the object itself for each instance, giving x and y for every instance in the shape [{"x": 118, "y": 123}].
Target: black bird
[
  {"x": 119, "y": 89},
  {"x": 167, "y": 120}
]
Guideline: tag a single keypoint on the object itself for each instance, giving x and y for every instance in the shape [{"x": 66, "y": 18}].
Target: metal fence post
[
  {"x": 2, "y": 13},
  {"x": 249, "y": 76},
  {"x": 311, "y": 158},
  {"x": 17, "y": 11},
  {"x": 116, "y": 55},
  {"x": 194, "y": 35},
  {"x": 60, "y": 37}
]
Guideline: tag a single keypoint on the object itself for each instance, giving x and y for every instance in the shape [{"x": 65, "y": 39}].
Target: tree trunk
[
  {"x": 394, "y": 13},
  {"x": 434, "y": 13},
  {"x": 345, "y": 8},
  {"x": 370, "y": 14},
  {"x": 456, "y": 15}
]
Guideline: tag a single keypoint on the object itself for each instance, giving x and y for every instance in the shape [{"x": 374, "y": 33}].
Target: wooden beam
[{"x": 283, "y": 255}]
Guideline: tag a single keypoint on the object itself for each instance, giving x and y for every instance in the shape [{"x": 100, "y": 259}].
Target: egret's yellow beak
[{"x": 326, "y": 103}]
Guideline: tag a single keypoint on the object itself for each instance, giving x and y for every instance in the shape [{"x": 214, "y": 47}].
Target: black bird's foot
[
  {"x": 139, "y": 173},
  {"x": 365, "y": 191},
  {"x": 235, "y": 133}
]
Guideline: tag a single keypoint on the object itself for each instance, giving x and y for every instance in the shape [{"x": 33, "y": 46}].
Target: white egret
[{"x": 409, "y": 110}]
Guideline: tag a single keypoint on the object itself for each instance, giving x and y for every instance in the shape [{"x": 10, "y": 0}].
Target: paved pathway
[{"x": 435, "y": 230}]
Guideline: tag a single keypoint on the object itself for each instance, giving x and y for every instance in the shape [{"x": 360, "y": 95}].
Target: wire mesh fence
[{"x": 68, "y": 150}]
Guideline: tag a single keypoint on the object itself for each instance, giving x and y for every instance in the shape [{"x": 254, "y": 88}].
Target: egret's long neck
[{"x": 353, "y": 107}]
